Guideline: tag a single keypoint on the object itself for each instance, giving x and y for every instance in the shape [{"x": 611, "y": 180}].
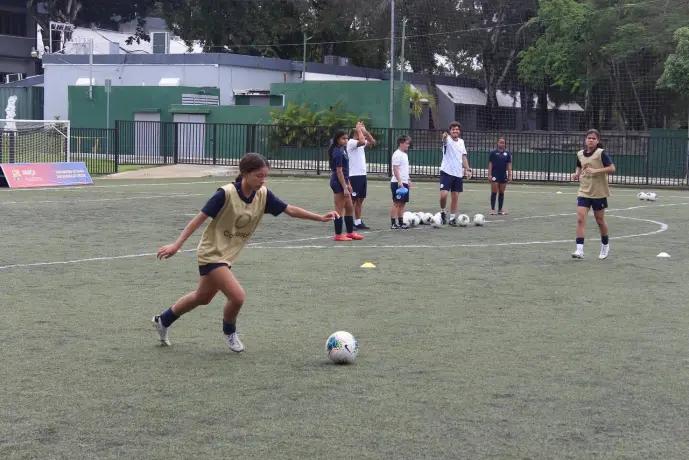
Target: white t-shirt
[
  {"x": 452, "y": 157},
  {"x": 401, "y": 160},
  {"x": 357, "y": 158}
]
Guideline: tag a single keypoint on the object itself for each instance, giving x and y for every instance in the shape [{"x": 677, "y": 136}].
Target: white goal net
[{"x": 34, "y": 141}]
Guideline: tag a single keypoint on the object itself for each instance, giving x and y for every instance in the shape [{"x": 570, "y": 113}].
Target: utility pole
[
  {"x": 392, "y": 63},
  {"x": 404, "y": 35}
]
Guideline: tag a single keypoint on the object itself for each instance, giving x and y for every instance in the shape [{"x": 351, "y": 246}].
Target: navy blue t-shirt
[
  {"x": 605, "y": 158},
  {"x": 340, "y": 160},
  {"x": 500, "y": 160},
  {"x": 274, "y": 205}
]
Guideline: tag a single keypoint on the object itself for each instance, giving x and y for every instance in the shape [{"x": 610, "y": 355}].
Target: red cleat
[
  {"x": 354, "y": 236},
  {"x": 342, "y": 238}
]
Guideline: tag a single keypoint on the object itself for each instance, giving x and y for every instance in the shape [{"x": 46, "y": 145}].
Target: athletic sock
[
  {"x": 604, "y": 239},
  {"x": 501, "y": 200},
  {"x": 357, "y": 222},
  {"x": 167, "y": 318},
  {"x": 338, "y": 226},
  {"x": 493, "y": 195},
  {"x": 349, "y": 223},
  {"x": 228, "y": 328}
]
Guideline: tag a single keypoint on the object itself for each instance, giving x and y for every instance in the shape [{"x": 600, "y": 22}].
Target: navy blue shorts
[
  {"x": 206, "y": 269},
  {"x": 399, "y": 198},
  {"x": 499, "y": 177},
  {"x": 335, "y": 185},
  {"x": 450, "y": 183},
  {"x": 597, "y": 204},
  {"x": 358, "y": 187}
]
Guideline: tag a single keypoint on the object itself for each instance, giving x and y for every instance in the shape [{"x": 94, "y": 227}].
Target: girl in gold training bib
[
  {"x": 236, "y": 210},
  {"x": 593, "y": 167}
]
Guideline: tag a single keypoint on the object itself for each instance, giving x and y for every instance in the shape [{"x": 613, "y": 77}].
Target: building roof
[
  {"x": 475, "y": 96},
  {"x": 36, "y": 80}
]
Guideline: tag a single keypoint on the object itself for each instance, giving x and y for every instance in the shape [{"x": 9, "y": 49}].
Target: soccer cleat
[
  {"x": 443, "y": 217},
  {"x": 453, "y": 222},
  {"x": 362, "y": 226},
  {"x": 354, "y": 236},
  {"x": 404, "y": 226},
  {"x": 578, "y": 254},
  {"x": 502, "y": 212},
  {"x": 394, "y": 227},
  {"x": 234, "y": 343},
  {"x": 162, "y": 331},
  {"x": 604, "y": 251},
  {"x": 341, "y": 238},
  {"x": 492, "y": 212}
]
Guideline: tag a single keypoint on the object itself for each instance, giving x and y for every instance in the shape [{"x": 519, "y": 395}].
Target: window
[
  {"x": 13, "y": 24},
  {"x": 13, "y": 77}
]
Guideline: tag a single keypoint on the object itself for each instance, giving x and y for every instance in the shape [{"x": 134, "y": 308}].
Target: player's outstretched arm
[
  {"x": 171, "y": 249},
  {"x": 299, "y": 213}
]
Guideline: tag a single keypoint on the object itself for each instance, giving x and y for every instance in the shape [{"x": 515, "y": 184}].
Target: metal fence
[{"x": 656, "y": 158}]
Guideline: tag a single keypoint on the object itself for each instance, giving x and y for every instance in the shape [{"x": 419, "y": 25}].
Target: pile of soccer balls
[
  {"x": 643, "y": 196},
  {"x": 414, "y": 219}
]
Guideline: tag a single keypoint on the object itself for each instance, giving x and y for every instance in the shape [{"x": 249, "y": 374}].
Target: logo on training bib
[{"x": 243, "y": 220}]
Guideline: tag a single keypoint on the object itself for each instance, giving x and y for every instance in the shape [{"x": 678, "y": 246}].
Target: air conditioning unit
[
  {"x": 161, "y": 42},
  {"x": 10, "y": 77}
]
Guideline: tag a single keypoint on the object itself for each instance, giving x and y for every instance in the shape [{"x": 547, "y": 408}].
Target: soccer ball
[
  {"x": 436, "y": 221},
  {"x": 479, "y": 220},
  {"x": 463, "y": 220},
  {"x": 342, "y": 347},
  {"x": 427, "y": 218},
  {"x": 406, "y": 218},
  {"x": 642, "y": 196},
  {"x": 651, "y": 196},
  {"x": 415, "y": 220}
]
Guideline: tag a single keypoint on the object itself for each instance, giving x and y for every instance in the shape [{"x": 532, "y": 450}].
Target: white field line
[{"x": 262, "y": 245}]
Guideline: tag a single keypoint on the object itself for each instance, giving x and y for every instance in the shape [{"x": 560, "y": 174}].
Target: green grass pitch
[{"x": 478, "y": 342}]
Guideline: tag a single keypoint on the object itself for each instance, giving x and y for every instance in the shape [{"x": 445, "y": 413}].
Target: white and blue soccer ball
[
  {"x": 436, "y": 221},
  {"x": 642, "y": 196},
  {"x": 479, "y": 220},
  {"x": 415, "y": 220},
  {"x": 406, "y": 218},
  {"x": 427, "y": 218},
  {"x": 342, "y": 347},
  {"x": 463, "y": 220},
  {"x": 651, "y": 196}
]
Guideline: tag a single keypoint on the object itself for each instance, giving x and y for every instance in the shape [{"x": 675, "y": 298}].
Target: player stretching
[
  {"x": 357, "y": 170},
  {"x": 499, "y": 175},
  {"x": 399, "y": 182},
  {"x": 341, "y": 187},
  {"x": 236, "y": 210},
  {"x": 593, "y": 167},
  {"x": 452, "y": 170}
]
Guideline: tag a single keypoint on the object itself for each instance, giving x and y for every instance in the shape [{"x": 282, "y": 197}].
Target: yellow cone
[{"x": 368, "y": 265}]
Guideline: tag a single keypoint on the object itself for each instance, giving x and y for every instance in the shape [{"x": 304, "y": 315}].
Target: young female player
[
  {"x": 400, "y": 179},
  {"x": 593, "y": 167},
  {"x": 339, "y": 184},
  {"x": 236, "y": 210},
  {"x": 499, "y": 175}
]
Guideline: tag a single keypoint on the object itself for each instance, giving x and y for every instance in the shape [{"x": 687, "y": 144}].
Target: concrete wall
[{"x": 58, "y": 77}]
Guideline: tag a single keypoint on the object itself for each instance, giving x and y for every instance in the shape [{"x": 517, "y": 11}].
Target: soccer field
[{"x": 477, "y": 342}]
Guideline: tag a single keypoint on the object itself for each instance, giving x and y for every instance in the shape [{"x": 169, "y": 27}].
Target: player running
[
  {"x": 499, "y": 175},
  {"x": 236, "y": 210},
  {"x": 593, "y": 167},
  {"x": 452, "y": 170}
]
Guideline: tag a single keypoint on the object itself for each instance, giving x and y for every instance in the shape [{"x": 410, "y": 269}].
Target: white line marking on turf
[{"x": 261, "y": 244}]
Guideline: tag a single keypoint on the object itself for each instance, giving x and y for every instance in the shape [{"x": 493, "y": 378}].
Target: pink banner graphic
[{"x": 27, "y": 175}]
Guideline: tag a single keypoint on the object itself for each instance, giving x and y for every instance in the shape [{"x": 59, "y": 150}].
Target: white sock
[
  {"x": 442, "y": 210},
  {"x": 580, "y": 247},
  {"x": 452, "y": 216},
  {"x": 357, "y": 222}
]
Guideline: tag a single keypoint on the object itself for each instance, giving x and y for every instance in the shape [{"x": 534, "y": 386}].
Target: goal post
[{"x": 34, "y": 141}]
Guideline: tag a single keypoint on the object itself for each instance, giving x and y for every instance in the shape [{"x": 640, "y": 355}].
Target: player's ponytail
[
  {"x": 334, "y": 144},
  {"x": 251, "y": 162}
]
